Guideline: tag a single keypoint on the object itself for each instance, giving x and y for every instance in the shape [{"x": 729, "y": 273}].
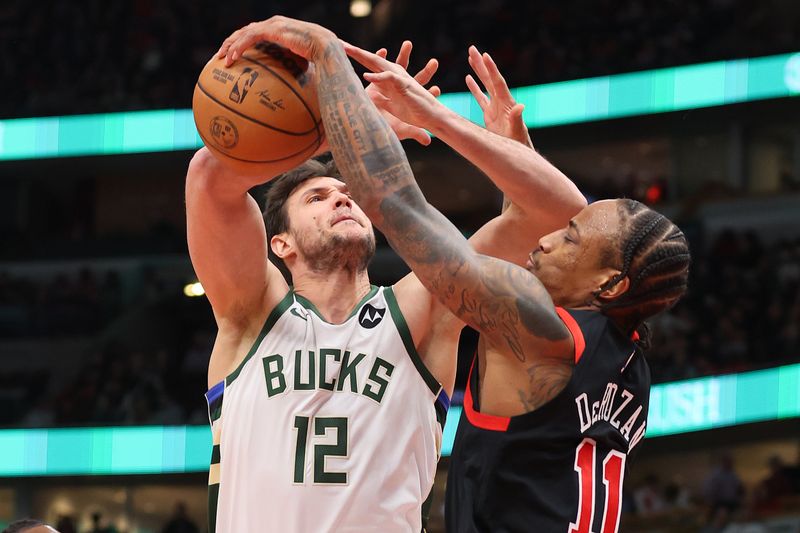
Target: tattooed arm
[
  {"x": 542, "y": 198},
  {"x": 503, "y": 301}
]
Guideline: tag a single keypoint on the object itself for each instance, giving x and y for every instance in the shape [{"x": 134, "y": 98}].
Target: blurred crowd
[
  {"x": 61, "y": 306},
  {"x": 721, "y": 500},
  {"x": 742, "y": 311},
  {"x": 72, "y": 304},
  {"x": 178, "y": 522},
  {"x": 144, "y": 54},
  {"x": 118, "y": 386}
]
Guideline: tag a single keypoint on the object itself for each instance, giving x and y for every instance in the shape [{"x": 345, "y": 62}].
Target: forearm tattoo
[{"x": 503, "y": 301}]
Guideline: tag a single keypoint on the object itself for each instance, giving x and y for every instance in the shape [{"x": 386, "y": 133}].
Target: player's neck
[{"x": 334, "y": 294}]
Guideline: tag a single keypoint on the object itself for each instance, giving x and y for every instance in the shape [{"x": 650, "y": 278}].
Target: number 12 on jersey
[
  {"x": 613, "y": 471},
  {"x": 321, "y": 451}
]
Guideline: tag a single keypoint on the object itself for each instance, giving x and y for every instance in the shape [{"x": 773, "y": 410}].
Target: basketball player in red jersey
[{"x": 560, "y": 393}]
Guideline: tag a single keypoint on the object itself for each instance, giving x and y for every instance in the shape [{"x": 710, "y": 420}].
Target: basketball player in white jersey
[{"x": 326, "y": 397}]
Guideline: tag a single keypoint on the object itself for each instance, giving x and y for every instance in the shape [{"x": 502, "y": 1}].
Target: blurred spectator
[
  {"x": 775, "y": 486},
  {"x": 66, "y": 524},
  {"x": 724, "y": 493},
  {"x": 649, "y": 497},
  {"x": 98, "y": 526},
  {"x": 180, "y": 521},
  {"x": 677, "y": 496},
  {"x": 794, "y": 473}
]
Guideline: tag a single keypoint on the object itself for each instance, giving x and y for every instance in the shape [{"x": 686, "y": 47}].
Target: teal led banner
[
  {"x": 707, "y": 403},
  {"x": 104, "y": 451},
  {"x": 107, "y": 134},
  {"x": 649, "y": 92},
  {"x": 568, "y": 102},
  {"x": 675, "y": 408}
]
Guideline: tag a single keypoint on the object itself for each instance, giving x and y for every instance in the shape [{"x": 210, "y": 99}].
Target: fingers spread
[
  {"x": 404, "y": 55},
  {"x": 477, "y": 62},
  {"x": 498, "y": 82},
  {"x": 427, "y": 72},
  {"x": 481, "y": 98},
  {"x": 371, "y": 61}
]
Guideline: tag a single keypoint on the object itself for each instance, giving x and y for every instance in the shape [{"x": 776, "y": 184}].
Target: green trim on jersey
[
  {"x": 408, "y": 342},
  {"x": 273, "y": 317},
  {"x": 216, "y": 413},
  {"x": 311, "y": 307}
]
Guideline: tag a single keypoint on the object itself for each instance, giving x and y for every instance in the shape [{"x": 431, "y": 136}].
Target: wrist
[
  {"x": 326, "y": 44},
  {"x": 443, "y": 121}
]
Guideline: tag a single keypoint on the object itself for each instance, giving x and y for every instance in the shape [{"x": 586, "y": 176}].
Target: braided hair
[{"x": 655, "y": 257}]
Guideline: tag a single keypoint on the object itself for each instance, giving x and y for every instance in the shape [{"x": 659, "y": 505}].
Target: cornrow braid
[{"x": 656, "y": 258}]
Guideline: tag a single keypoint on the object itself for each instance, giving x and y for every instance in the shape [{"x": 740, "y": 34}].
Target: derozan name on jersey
[{"x": 610, "y": 409}]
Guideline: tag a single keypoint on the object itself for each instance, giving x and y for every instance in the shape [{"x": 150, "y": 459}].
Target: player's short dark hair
[
  {"x": 23, "y": 525},
  {"x": 655, "y": 257},
  {"x": 276, "y": 218}
]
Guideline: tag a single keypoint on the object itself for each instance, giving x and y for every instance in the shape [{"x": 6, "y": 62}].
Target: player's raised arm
[
  {"x": 543, "y": 197},
  {"x": 503, "y": 301},
  {"x": 227, "y": 240}
]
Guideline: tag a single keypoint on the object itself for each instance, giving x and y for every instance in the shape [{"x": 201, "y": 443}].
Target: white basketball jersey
[{"x": 326, "y": 427}]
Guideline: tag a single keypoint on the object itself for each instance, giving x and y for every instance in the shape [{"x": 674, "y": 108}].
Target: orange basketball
[{"x": 260, "y": 111}]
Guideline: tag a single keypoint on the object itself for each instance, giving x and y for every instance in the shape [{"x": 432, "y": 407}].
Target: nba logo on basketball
[{"x": 238, "y": 93}]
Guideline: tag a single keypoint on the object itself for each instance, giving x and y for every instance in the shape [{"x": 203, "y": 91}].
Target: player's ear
[
  {"x": 612, "y": 289},
  {"x": 282, "y": 245}
]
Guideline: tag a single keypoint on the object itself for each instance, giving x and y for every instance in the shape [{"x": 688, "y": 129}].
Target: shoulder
[
  {"x": 434, "y": 330},
  {"x": 251, "y": 312},
  {"x": 414, "y": 303},
  {"x": 590, "y": 325}
]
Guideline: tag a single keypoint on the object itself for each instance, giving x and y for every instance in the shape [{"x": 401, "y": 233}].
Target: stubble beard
[{"x": 338, "y": 252}]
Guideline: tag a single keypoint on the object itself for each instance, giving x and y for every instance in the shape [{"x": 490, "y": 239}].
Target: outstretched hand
[
  {"x": 501, "y": 113},
  {"x": 402, "y": 129},
  {"x": 395, "y": 91}
]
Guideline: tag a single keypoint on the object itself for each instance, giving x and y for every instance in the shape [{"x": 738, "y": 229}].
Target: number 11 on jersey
[
  {"x": 321, "y": 451},
  {"x": 613, "y": 470}
]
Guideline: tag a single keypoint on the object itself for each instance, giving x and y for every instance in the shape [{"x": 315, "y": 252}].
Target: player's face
[
  {"x": 328, "y": 227},
  {"x": 570, "y": 262}
]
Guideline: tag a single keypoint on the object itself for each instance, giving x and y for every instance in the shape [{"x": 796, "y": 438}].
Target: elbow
[
  {"x": 573, "y": 201},
  {"x": 578, "y": 201},
  {"x": 207, "y": 175},
  {"x": 201, "y": 170}
]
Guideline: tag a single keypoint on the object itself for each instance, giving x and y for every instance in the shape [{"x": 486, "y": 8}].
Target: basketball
[{"x": 260, "y": 111}]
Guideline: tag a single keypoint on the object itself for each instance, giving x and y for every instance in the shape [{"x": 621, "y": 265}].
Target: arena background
[{"x": 690, "y": 106}]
